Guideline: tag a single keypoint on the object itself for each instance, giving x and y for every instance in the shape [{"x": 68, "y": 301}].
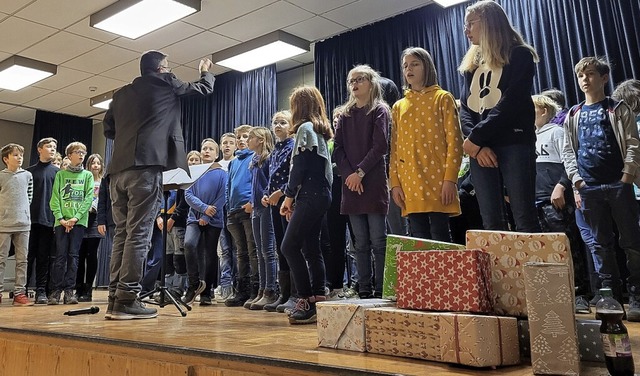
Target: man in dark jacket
[{"x": 144, "y": 122}]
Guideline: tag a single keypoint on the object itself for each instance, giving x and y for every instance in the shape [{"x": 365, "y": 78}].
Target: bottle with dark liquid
[{"x": 615, "y": 338}]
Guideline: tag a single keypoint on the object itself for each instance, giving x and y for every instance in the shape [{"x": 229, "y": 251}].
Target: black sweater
[{"x": 43, "y": 176}]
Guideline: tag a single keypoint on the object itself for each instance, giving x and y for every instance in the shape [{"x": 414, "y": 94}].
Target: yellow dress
[{"x": 426, "y": 149}]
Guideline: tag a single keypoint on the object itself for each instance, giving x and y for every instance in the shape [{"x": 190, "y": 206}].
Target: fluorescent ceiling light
[
  {"x": 134, "y": 18},
  {"x": 261, "y": 51},
  {"x": 17, "y": 72},
  {"x": 448, "y": 3},
  {"x": 102, "y": 101}
]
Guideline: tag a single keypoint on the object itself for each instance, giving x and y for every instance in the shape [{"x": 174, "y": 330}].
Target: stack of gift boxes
[{"x": 502, "y": 297}]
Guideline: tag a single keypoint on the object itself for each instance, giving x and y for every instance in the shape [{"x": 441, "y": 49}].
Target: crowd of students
[{"x": 267, "y": 226}]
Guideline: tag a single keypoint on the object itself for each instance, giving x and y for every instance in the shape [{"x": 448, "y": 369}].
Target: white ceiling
[{"x": 91, "y": 61}]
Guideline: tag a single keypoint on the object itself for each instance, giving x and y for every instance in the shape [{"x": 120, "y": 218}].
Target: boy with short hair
[
  {"x": 41, "y": 238},
  {"x": 601, "y": 157},
  {"x": 16, "y": 192},
  {"x": 226, "y": 249},
  {"x": 70, "y": 203},
  {"x": 239, "y": 221}
]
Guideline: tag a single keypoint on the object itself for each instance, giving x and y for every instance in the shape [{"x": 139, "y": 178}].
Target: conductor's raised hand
[{"x": 205, "y": 65}]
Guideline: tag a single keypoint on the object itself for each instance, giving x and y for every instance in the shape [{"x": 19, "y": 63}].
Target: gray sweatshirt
[{"x": 16, "y": 192}]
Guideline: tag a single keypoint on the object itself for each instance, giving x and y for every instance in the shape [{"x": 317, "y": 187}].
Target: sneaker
[
  {"x": 303, "y": 313},
  {"x": 223, "y": 293},
  {"x": 41, "y": 297},
  {"x": 132, "y": 310},
  {"x": 21, "y": 299},
  {"x": 596, "y": 298},
  {"x": 54, "y": 298},
  {"x": 70, "y": 297},
  {"x": 582, "y": 305},
  {"x": 107, "y": 315},
  {"x": 205, "y": 300},
  {"x": 193, "y": 291},
  {"x": 288, "y": 306},
  {"x": 335, "y": 294},
  {"x": 633, "y": 314},
  {"x": 348, "y": 293}
]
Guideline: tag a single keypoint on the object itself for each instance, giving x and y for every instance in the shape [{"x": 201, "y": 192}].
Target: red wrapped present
[{"x": 445, "y": 280}]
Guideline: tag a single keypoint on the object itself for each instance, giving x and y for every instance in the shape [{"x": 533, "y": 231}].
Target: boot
[
  {"x": 79, "y": 290},
  {"x": 291, "y": 302},
  {"x": 87, "y": 294},
  {"x": 285, "y": 291},
  {"x": 241, "y": 293},
  {"x": 257, "y": 297},
  {"x": 268, "y": 297},
  {"x": 305, "y": 310}
]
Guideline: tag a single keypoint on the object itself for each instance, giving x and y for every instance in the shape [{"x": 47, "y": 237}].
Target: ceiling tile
[
  {"x": 100, "y": 83},
  {"x": 82, "y": 28},
  {"x": 160, "y": 38},
  {"x": 363, "y": 12},
  {"x": 315, "y": 29},
  {"x": 10, "y": 6},
  {"x": 17, "y": 34},
  {"x": 5, "y": 107},
  {"x": 319, "y": 7},
  {"x": 216, "y": 12},
  {"x": 61, "y": 13},
  {"x": 64, "y": 77},
  {"x": 253, "y": 24},
  {"x": 197, "y": 47},
  {"x": 22, "y": 96},
  {"x": 101, "y": 59},
  {"x": 54, "y": 101},
  {"x": 20, "y": 115},
  {"x": 60, "y": 47},
  {"x": 125, "y": 72}
]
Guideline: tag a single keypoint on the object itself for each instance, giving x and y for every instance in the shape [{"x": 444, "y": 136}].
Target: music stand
[{"x": 173, "y": 180}]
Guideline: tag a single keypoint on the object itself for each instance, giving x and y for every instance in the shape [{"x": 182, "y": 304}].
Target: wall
[
  {"x": 289, "y": 80},
  {"x": 18, "y": 133}
]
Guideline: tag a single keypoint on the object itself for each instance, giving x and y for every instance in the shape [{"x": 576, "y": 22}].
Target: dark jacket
[
  {"x": 43, "y": 176},
  {"x": 104, "y": 213},
  {"x": 144, "y": 121}
]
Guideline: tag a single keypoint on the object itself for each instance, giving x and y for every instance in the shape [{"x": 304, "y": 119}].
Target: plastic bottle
[{"x": 615, "y": 338}]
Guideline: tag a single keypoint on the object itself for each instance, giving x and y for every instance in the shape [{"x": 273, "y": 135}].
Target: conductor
[{"x": 144, "y": 121}]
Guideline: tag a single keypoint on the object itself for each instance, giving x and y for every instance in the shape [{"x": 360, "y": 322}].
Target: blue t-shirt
[{"x": 599, "y": 157}]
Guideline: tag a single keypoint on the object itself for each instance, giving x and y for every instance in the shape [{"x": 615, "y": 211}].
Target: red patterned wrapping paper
[{"x": 451, "y": 280}]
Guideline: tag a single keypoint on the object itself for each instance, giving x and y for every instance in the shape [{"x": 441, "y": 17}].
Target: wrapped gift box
[
  {"x": 397, "y": 243},
  {"x": 445, "y": 280},
  {"x": 589, "y": 340},
  {"x": 341, "y": 322},
  {"x": 472, "y": 340},
  {"x": 509, "y": 252},
  {"x": 552, "y": 320}
]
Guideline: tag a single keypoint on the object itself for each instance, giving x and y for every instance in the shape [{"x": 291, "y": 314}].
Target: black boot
[
  {"x": 255, "y": 295},
  {"x": 285, "y": 291},
  {"x": 241, "y": 293},
  {"x": 87, "y": 294}
]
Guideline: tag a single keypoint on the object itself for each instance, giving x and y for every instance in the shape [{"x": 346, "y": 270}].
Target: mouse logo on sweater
[{"x": 484, "y": 92}]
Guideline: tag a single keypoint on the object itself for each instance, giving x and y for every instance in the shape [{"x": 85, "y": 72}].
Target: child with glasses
[
  {"x": 70, "y": 203},
  {"x": 426, "y": 149},
  {"x": 360, "y": 149}
]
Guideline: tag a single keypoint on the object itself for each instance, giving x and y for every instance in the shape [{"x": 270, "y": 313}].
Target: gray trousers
[
  {"x": 135, "y": 199},
  {"x": 21, "y": 243}
]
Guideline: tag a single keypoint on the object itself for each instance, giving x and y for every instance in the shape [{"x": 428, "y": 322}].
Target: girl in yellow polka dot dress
[{"x": 426, "y": 149}]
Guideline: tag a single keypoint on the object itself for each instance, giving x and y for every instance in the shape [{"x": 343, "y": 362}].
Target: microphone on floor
[{"x": 83, "y": 311}]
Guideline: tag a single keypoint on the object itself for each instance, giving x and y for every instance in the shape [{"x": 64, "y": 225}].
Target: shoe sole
[{"x": 128, "y": 316}]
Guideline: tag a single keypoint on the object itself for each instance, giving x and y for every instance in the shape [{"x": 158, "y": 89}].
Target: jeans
[
  {"x": 430, "y": 226},
  {"x": 135, "y": 201},
  {"x": 516, "y": 173},
  {"x": 153, "y": 264},
  {"x": 41, "y": 250},
  {"x": 65, "y": 262},
  {"x": 21, "y": 242},
  {"x": 279, "y": 227},
  {"x": 396, "y": 223},
  {"x": 264, "y": 237},
  {"x": 227, "y": 259},
  {"x": 336, "y": 226},
  {"x": 87, "y": 263},
  {"x": 370, "y": 232},
  {"x": 239, "y": 225},
  {"x": 601, "y": 204},
  {"x": 587, "y": 238},
  {"x": 301, "y": 244},
  {"x": 200, "y": 251}
]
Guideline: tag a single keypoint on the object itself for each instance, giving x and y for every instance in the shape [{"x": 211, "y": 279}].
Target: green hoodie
[{"x": 72, "y": 195}]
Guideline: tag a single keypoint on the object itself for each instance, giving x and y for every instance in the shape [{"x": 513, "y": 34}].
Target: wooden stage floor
[{"x": 213, "y": 340}]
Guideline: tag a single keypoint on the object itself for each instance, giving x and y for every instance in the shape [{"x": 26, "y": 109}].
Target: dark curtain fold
[
  {"x": 64, "y": 128},
  {"x": 238, "y": 98},
  {"x": 562, "y": 31}
]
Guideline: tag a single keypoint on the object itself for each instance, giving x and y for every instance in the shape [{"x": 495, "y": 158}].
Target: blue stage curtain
[
  {"x": 562, "y": 31},
  {"x": 64, "y": 128},
  {"x": 238, "y": 98}
]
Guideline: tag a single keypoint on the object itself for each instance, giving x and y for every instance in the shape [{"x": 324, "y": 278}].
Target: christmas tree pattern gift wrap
[
  {"x": 457, "y": 281},
  {"x": 589, "y": 340},
  {"x": 397, "y": 243},
  {"x": 509, "y": 252},
  {"x": 552, "y": 319},
  {"x": 341, "y": 322},
  {"x": 473, "y": 340}
]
